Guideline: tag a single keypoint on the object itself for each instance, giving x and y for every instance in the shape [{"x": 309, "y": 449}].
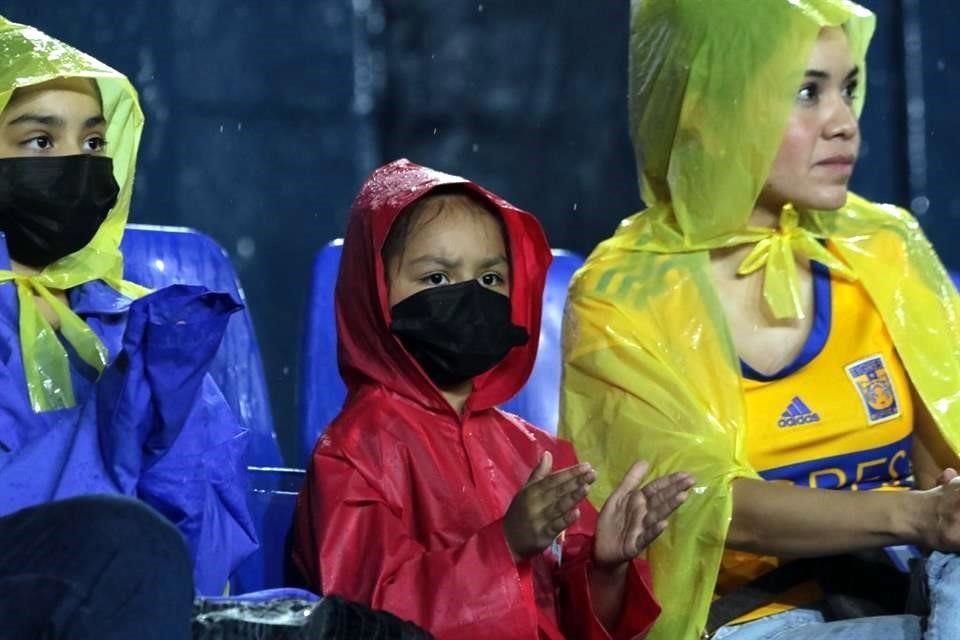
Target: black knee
[
  {"x": 131, "y": 528},
  {"x": 123, "y": 568}
]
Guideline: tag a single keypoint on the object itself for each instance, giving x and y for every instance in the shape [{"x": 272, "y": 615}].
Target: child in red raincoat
[{"x": 424, "y": 499}]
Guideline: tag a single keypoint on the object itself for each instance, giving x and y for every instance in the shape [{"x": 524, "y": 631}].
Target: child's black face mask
[
  {"x": 456, "y": 331},
  {"x": 52, "y": 207}
]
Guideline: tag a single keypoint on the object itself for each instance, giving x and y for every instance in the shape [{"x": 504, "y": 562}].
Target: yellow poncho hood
[
  {"x": 650, "y": 370},
  {"x": 30, "y": 57}
]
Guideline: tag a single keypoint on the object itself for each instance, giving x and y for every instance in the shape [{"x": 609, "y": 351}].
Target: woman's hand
[
  {"x": 946, "y": 476},
  {"x": 941, "y": 529},
  {"x": 633, "y": 516},
  {"x": 545, "y": 506}
]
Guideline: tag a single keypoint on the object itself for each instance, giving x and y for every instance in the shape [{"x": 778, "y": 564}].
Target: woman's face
[
  {"x": 816, "y": 158},
  {"x": 61, "y": 117}
]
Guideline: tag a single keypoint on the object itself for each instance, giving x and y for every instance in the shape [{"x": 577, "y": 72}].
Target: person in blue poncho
[{"x": 103, "y": 384}]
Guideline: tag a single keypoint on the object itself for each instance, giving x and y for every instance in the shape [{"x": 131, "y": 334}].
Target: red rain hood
[{"x": 368, "y": 352}]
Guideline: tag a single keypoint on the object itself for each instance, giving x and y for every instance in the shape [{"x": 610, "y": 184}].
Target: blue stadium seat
[
  {"x": 539, "y": 400},
  {"x": 322, "y": 392},
  {"x": 272, "y": 500}
]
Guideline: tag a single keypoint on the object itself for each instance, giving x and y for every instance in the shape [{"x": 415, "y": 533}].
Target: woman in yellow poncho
[{"x": 759, "y": 323}]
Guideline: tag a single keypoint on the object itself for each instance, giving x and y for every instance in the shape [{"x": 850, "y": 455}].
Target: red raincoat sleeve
[
  {"x": 575, "y": 607},
  {"x": 351, "y": 542},
  {"x": 577, "y": 618}
]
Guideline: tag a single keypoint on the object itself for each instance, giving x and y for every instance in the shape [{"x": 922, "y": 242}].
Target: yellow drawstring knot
[{"x": 775, "y": 253}]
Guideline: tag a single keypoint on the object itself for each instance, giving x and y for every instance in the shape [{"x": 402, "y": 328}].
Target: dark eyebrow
[
  {"x": 492, "y": 262},
  {"x": 823, "y": 75},
  {"x": 443, "y": 262},
  {"x": 33, "y": 118},
  {"x": 94, "y": 121}
]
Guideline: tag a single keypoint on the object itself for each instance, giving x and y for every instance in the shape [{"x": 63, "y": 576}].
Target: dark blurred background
[{"x": 264, "y": 117}]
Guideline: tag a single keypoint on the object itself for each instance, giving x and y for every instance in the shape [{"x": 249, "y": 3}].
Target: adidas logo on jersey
[{"x": 797, "y": 413}]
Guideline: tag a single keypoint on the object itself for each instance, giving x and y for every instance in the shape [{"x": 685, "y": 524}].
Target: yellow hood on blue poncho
[
  {"x": 30, "y": 57},
  {"x": 650, "y": 370}
]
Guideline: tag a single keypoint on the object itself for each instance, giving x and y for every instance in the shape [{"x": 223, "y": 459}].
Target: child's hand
[
  {"x": 633, "y": 516},
  {"x": 545, "y": 506}
]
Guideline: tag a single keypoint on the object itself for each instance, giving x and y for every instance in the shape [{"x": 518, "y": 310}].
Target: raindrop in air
[
  {"x": 246, "y": 247},
  {"x": 920, "y": 205}
]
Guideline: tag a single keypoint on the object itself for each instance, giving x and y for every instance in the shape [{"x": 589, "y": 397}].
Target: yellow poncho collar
[
  {"x": 30, "y": 57},
  {"x": 775, "y": 252}
]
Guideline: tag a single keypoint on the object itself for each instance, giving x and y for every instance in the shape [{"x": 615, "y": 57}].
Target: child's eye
[
  {"x": 492, "y": 280},
  {"x": 94, "y": 144},
  {"x": 436, "y": 279},
  {"x": 38, "y": 143}
]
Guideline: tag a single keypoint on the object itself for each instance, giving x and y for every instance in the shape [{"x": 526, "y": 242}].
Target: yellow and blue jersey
[{"x": 839, "y": 417}]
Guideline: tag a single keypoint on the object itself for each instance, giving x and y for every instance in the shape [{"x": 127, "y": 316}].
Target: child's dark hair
[{"x": 433, "y": 205}]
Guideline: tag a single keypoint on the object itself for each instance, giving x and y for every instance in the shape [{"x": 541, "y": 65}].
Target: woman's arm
[
  {"x": 785, "y": 520},
  {"x": 931, "y": 454},
  {"x": 789, "y": 521},
  {"x": 782, "y": 519}
]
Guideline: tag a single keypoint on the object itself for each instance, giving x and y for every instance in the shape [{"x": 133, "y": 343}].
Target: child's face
[
  {"x": 61, "y": 117},
  {"x": 456, "y": 245}
]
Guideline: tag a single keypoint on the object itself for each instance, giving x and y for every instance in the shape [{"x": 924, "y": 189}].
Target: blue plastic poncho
[{"x": 142, "y": 418}]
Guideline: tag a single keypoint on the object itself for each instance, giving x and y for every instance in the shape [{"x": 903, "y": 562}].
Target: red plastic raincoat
[{"x": 404, "y": 498}]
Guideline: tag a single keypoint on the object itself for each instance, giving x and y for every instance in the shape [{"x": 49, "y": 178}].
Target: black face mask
[
  {"x": 456, "y": 331},
  {"x": 52, "y": 207}
]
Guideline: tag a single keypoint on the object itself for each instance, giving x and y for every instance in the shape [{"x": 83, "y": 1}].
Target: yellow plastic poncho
[
  {"x": 650, "y": 370},
  {"x": 29, "y": 57}
]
